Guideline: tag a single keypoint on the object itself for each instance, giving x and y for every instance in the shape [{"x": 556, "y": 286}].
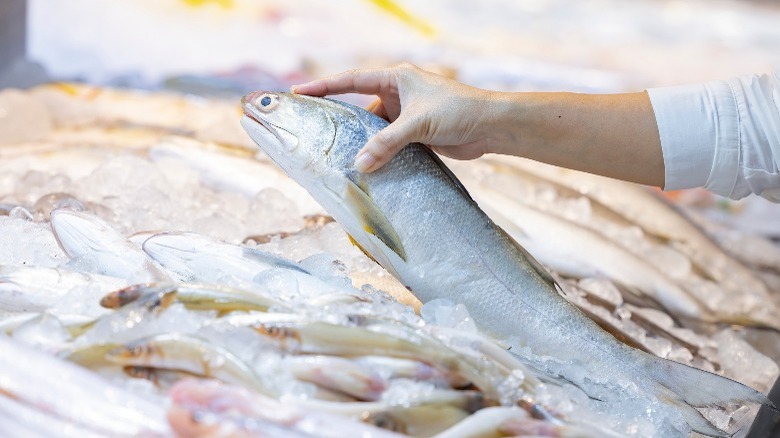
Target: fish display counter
[{"x": 167, "y": 270}]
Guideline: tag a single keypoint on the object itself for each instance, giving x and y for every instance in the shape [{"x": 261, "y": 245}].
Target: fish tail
[
  {"x": 687, "y": 387},
  {"x": 696, "y": 421}
]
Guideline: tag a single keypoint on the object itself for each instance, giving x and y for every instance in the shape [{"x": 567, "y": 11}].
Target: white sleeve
[{"x": 722, "y": 135}]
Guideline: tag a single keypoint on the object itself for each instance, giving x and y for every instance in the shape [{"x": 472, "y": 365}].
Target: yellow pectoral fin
[
  {"x": 360, "y": 247},
  {"x": 373, "y": 220}
]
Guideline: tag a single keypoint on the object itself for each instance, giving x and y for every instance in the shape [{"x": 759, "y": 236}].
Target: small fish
[
  {"x": 199, "y": 297},
  {"x": 161, "y": 378},
  {"x": 195, "y": 258},
  {"x": 186, "y": 353},
  {"x": 508, "y": 421},
  {"x": 425, "y": 420},
  {"x": 209, "y": 408},
  {"x": 76, "y": 395},
  {"x": 393, "y": 367},
  {"x": 338, "y": 374},
  {"x": 90, "y": 356},
  {"x": 35, "y": 289},
  {"x": 127, "y": 321},
  {"x": 126, "y": 295},
  {"x": 95, "y": 246},
  {"x": 418, "y": 221}
]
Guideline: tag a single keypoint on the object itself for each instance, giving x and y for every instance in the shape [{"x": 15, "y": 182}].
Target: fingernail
[
  {"x": 294, "y": 88},
  {"x": 364, "y": 161}
]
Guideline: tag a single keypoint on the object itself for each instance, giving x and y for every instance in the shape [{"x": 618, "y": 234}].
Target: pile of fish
[
  {"x": 157, "y": 278},
  {"x": 296, "y": 348}
]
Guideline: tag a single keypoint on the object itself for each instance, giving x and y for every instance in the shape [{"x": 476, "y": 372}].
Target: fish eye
[{"x": 267, "y": 102}]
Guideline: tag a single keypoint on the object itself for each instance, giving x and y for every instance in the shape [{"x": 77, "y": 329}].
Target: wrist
[{"x": 505, "y": 115}]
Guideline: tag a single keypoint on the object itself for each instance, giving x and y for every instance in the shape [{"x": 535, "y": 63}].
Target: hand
[{"x": 422, "y": 107}]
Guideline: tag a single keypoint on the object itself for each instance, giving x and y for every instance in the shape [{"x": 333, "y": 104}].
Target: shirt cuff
[{"x": 699, "y": 130}]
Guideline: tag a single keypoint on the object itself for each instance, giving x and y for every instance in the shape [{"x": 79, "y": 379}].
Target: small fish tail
[
  {"x": 701, "y": 388},
  {"x": 687, "y": 387}
]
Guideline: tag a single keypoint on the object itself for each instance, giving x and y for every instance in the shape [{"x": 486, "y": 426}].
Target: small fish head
[
  {"x": 131, "y": 352},
  {"x": 298, "y": 132}
]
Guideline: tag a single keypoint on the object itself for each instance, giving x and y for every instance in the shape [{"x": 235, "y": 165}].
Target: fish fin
[
  {"x": 686, "y": 387},
  {"x": 455, "y": 181},
  {"x": 272, "y": 260},
  {"x": 701, "y": 388},
  {"x": 372, "y": 219},
  {"x": 696, "y": 421},
  {"x": 360, "y": 247}
]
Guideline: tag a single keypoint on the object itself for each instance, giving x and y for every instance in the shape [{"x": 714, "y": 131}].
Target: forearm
[{"x": 614, "y": 135}]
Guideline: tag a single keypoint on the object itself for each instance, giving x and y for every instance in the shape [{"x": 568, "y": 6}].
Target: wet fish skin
[{"x": 415, "y": 219}]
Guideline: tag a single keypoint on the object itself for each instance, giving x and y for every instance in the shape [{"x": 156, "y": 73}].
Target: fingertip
[
  {"x": 365, "y": 162},
  {"x": 313, "y": 88}
]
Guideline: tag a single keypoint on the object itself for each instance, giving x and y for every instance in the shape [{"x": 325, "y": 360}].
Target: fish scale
[{"x": 458, "y": 253}]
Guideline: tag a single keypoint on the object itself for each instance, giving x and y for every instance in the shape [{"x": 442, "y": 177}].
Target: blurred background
[{"x": 240, "y": 45}]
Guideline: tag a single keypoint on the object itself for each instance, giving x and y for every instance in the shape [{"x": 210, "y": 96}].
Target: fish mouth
[
  {"x": 246, "y": 107},
  {"x": 283, "y": 135}
]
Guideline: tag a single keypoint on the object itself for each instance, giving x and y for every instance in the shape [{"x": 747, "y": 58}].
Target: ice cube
[
  {"x": 742, "y": 362},
  {"x": 28, "y": 243}
]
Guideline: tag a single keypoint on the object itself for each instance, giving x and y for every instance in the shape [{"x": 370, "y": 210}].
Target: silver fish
[
  {"x": 416, "y": 219},
  {"x": 192, "y": 257},
  {"x": 35, "y": 289},
  {"x": 95, "y": 246},
  {"x": 660, "y": 218},
  {"x": 75, "y": 395}
]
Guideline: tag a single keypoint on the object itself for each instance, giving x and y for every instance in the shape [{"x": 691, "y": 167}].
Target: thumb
[{"x": 383, "y": 146}]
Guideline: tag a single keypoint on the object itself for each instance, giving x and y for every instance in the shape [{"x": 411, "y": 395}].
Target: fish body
[
  {"x": 415, "y": 219},
  {"x": 233, "y": 411},
  {"x": 660, "y": 218},
  {"x": 95, "y": 246},
  {"x": 197, "y": 296},
  {"x": 186, "y": 353},
  {"x": 75, "y": 395},
  {"x": 586, "y": 254},
  {"x": 196, "y": 258},
  {"x": 35, "y": 289}
]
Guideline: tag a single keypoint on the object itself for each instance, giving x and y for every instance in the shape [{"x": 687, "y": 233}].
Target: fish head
[
  {"x": 315, "y": 141},
  {"x": 304, "y": 135}
]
